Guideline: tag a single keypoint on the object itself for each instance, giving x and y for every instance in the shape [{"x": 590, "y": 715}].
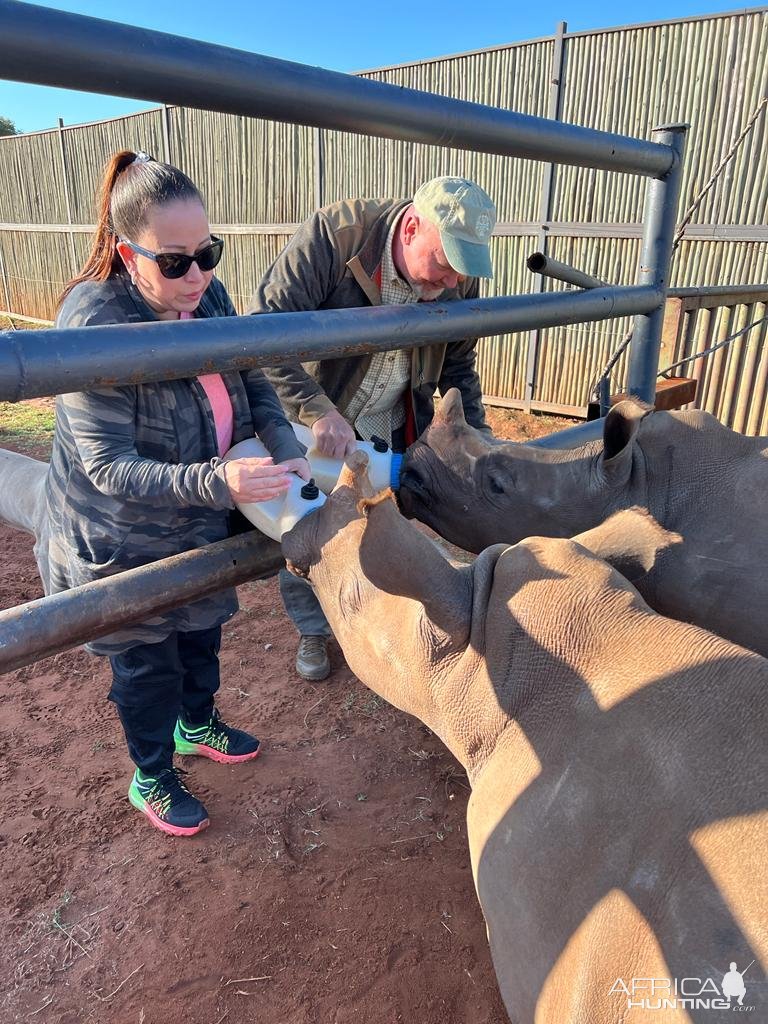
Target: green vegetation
[
  {"x": 27, "y": 426},
  {"x": 7, "y": 127}
]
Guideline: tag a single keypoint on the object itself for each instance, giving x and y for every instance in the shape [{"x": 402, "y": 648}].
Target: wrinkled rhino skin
[
  {"x": 618, "y": 763},
  {"x": 695, "y": 476}
]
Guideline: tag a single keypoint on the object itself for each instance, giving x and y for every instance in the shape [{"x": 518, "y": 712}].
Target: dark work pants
[{"x": 153, "y": 683}]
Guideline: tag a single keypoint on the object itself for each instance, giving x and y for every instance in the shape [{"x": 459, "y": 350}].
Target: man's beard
[{"x": 426, "y": 292}]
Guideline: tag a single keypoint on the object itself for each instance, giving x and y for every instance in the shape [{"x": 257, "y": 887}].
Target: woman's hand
[
  {"x": 298, "y": 466},
  {"x": 257, "y": 479}
]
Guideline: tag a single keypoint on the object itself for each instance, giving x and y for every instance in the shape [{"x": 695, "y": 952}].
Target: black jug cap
[
  {"x": 310, "y": 490},
  {"x": 379, "y": 444}
]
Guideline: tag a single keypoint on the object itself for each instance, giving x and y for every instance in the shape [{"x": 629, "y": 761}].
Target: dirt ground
[{"x": 332, "y": 886}]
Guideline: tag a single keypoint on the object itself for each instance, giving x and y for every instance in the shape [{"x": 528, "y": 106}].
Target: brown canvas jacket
[{"x": 330, "y": 263}]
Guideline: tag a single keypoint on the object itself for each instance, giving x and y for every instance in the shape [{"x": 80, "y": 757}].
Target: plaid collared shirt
[{"x": 378, "y": 407}]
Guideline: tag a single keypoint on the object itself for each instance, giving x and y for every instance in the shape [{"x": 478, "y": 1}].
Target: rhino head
[
  {"x": 476, "y": 491},
  {"x": 395, "y": 604}
]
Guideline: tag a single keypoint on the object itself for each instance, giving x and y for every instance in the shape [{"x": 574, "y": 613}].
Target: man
[{"x": 364, "y": 252}]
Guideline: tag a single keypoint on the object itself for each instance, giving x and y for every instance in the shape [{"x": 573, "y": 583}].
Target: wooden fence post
[
  {"x": 317, "y": 136},
  {"x": 67, "y": 198},
  {"x": 165, "y": 128},
  {"x": 674, "y": 314},
  {"x": 4, "y": 276}
]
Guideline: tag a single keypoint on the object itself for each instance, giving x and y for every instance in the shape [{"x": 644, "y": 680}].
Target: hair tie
[{"x": 142, "y": 157}]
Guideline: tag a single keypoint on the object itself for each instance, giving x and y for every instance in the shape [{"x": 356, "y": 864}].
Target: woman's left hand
[{"x": 298, "y": 466}]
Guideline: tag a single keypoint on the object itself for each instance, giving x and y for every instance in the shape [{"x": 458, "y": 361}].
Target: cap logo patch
[{"x": 483, "y": 226}]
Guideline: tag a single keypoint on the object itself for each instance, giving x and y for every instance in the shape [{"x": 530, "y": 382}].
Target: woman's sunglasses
[{"x": 174, "y": 264}]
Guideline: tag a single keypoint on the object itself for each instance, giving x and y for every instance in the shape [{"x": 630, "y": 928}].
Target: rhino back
[
  {"x": 709, "y": 484},
  {"x": 618, "y": 828}
]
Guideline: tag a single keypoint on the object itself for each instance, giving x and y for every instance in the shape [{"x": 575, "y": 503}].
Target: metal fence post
[
  {"x": 67, "y": 199},
  {"x": 658, "y": 232},
  {"x": 545, "y": 207}
]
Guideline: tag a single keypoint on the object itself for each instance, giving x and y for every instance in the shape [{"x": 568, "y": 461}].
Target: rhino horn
[
  {"x": 451, "y": 409},
  {"x": 632, "y": 541}
]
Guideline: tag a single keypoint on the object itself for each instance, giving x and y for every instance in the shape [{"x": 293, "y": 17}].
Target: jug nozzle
[{"x": 379, "y": 444}]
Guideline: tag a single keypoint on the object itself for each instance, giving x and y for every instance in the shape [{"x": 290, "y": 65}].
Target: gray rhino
[
  {"x": 22, "y": 491},
  {"x": 617, "y": 758},
  {"x": 696, "y": 477}
]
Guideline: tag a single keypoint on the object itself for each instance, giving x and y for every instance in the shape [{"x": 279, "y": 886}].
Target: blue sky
[{"x": 344, "y": 35}]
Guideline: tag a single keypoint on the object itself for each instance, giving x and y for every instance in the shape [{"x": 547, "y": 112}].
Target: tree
[{"x": 7, "y": 127}]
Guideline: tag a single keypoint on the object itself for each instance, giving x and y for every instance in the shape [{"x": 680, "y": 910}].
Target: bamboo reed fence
[{"x": 263, "y": 178}]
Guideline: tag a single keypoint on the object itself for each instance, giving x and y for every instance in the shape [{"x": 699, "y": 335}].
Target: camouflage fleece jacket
[{"x": 135, "y": 473}]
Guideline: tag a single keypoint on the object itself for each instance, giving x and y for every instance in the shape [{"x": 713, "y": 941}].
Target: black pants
[{"x": 153, "y": 683}]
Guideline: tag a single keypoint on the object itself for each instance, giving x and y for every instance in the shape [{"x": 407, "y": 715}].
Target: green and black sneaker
[
  {"x": 216, "y": 740},
  {"x": 167, "y": 802}
]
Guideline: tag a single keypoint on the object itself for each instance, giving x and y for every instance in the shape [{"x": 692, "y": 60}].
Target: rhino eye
[{"x": 496, "y": 486}]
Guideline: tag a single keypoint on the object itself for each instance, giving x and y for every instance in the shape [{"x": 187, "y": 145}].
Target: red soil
[{"x": 332, "y": 886}]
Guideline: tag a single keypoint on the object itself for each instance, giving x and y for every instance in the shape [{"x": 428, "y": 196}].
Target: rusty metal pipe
[{"x": 57, "y": 623}]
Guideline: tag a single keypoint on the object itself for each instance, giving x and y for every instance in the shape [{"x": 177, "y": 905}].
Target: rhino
[
  {"x": 22, "y": 492},
  {"x": 617, "y": 759},
  {"x": 696, "y": 477}
]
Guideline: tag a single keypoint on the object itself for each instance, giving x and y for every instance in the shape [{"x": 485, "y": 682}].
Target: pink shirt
[{"x": 221, "y": 404}]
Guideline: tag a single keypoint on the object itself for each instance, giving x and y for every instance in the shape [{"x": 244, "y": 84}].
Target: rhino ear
[
  {"x": 451, "y": 409},
  {"x": 621, "y": 426},
  {"x": 632, "y": 541},
  {"x": 354, "y": 475},
  {"x": 401, "y": 560}
]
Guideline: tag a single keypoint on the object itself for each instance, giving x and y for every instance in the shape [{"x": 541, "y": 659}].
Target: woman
[{"x": 136, "y": 475}]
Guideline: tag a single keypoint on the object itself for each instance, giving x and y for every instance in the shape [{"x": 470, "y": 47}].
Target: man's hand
[
  {"x": 298, "y": 466},
  {"x": 256, "y": 479},
  {"x": 333, "y": 435}
]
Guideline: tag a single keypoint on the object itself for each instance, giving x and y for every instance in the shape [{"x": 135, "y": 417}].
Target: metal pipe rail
[
  {"x": 38, "y": 363},
  {"x": 49, "y": 47},
  {"x": 57, "y": 623},
  {"x": 703, "y": 297},
  {"x": 540, "y": 263}
]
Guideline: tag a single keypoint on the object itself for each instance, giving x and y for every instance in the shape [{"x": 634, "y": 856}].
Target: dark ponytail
[{"x": 132, "y": 184}]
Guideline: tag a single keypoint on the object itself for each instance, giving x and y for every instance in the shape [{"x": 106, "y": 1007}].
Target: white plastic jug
[
  {"x": 278, "y": 515},
  {"x": 383, "y": 464}
]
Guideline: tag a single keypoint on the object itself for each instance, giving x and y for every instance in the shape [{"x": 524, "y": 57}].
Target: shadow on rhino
[
  {"x": 625, "y": 851},
  {"x": 617, "y": 759}
]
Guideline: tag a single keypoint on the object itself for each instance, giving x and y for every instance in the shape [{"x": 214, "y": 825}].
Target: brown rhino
[
  {"x": 696, "y": 477},
  {"x": 618, "y": 762}
]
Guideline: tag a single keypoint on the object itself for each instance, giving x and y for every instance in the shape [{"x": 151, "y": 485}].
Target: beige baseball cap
[{"x": 465, "y": 216}]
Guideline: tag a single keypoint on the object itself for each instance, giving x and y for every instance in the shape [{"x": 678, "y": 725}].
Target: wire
[
  {"x": 709, "y": 351},
  {"x": 717, "y": 172}
]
